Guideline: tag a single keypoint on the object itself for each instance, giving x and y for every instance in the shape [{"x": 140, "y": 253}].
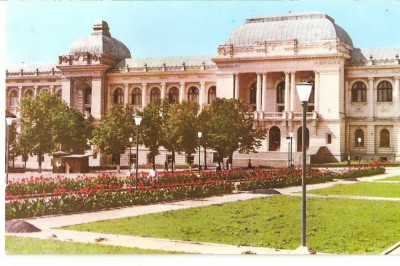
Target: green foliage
[
  {"x": 112, "y": 136},
  {"x": 369, "y": 189},
  {"x": 232, "y": 127}
]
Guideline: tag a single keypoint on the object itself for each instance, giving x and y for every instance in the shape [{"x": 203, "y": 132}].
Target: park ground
[{"x": 344, "y": 217}]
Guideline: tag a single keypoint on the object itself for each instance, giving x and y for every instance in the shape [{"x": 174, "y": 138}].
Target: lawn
[
  {"x": 393, "y": 178},
  {"x": 334, "y": 225},
  {"x": 22, "y": 245},
  {"x": 370, "y": 189}
]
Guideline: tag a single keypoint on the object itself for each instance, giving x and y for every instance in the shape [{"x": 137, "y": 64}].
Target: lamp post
[
  {"x": 199, "y": 134},
  {"x": 138, "y": 119},
  {"x": 288, "y": 160},
  {"x": 291, "y": 148},
  {"x": 359, "y": 151},
  {"x": 304, "y": 90},
  {"x": 9, "y": 121},
  {"x": 130, "y": 153}
]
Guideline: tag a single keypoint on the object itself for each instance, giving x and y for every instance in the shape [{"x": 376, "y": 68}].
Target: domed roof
[
  {"x": 100, "y": 42},
  {"x": 305, "y": 27}
]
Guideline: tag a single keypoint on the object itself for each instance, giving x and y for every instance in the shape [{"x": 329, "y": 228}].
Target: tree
[
  {"x": 112, "y": 136},
  {"x": 232, "y": 127},
  {"x": 151, "y": 127},
  {"x": 204, "y": 127},
  {"x": 182, "y": 128}
]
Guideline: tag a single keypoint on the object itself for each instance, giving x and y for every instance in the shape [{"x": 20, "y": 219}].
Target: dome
[
  {"x": 305, "y": 27},
  {"x": 100, "y": 42}
]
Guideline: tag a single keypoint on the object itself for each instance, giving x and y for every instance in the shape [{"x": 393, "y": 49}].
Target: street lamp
[
  {"x": 359, "y": 151},
  {"x": 289, "y": 139},
  {"x": 9, "y": 121},
  {"x": 291, "y": 148},
  {"x": 304, "y": 90},
  {"x": 199, "y": 134},
  {"x": 138, "y": 119},
  {"x": 130, "y": 153}
]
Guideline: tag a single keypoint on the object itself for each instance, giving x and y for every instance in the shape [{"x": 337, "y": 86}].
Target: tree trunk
[
  {"x": 205, "y": 158},
  {"x": 154, "y": 161},
  {"x": 40, "y": 163},
  {"x": 173, "y": 162},
  {"x": 189, "y": 161},
  {"x": 118, "y": 163}
]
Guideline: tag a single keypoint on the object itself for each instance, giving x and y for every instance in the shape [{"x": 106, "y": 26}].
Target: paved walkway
[{"x": 46, "y": 224}]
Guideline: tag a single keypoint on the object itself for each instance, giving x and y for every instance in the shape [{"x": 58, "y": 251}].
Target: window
[
  {"x": 59, "y": 94},
  {"x": 300, "y": 139},
  {"x": 359, "y": 134},
  {"x": 384, "y": 91},
  {"x": 44, "y": 91},
  {"x": 155, "y": 94},
  {"x": 88, "y": 96},
  {"x": 329, "y": 139},
  {"x": 29, "y": 93},
  {"x": 280, "y": 93},
  {"x": 384, "y": 138},
  {"x": 14, "y": 98},
  {"x": 281, "y": 108},
  {"x": 173, "y": 95},
  {"x": 119, "y": 96},
  {"x": 311, "y": 100},
  {"x": 359, "y": 92},
  {"x": 212, "y": 94},
  {"x": 274, "y": 139},
  {"x": 193, "y": 95},
  {"x": 136, "y": 96},
  {"x": 253, "y": 93}
]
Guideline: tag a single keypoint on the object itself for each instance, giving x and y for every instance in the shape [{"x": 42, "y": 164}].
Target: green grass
[
  {"x": 334, "y": 225},
  {"x": 22, "y": 245},
  {"x": 390, "y": 190},
  {"x": 393, "y": 178}
]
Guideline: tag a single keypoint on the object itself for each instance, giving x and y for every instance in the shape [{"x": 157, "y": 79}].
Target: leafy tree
[
  {"x": 204, "y": 128},
  {"x": 182, "y": 128},
  {"x": 112, "y": 136},
  {"x": 13, "y": 135},
  {"x": 232, "y": 127}
]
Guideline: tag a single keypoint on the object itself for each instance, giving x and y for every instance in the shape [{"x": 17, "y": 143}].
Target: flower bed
[{"x": 96, "y": 199}]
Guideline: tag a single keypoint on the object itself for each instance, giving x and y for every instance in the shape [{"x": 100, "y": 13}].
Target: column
[
  {"x": 163, "y": 90},
  {"x": 66, "y": 91},
  {"x": 348, "y": 97},
  {"x": 371, "y": 98},
  {"x": 109, "y": 97},
  {"x": 19, "y": 94},
  {"x": 182, "y": 92},
  {"x": 396, "y": 96},
  {"x": 258, "y": 100},
  {"x": 36, "y": 90},
  {"x": 237, "y": 86},
  {"x": 51, "y": 88},
  {"x": 97, "y": 98},
  {"x": 292, "y": 89},
  {"x": 202, "y": 92},
  {"x": 287, "y": 98},
  {"x": 144, "y": 94},
  {"x": 316, "y": 92},
  {"x": 264, "y": 92},
  {"x": 126, "y": 94}
]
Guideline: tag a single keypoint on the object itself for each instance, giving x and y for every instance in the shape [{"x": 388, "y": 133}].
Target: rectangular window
[
  {"x": 310, "y": 108},
  {"x": 329, "y": 139},
  {"x": 281, "y": 109}
]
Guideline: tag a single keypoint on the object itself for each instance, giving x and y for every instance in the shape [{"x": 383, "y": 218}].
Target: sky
[{"x": 41, "y": 31}]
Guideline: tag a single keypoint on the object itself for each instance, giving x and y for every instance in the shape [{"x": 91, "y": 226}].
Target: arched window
[
  {"x": 193, "y": 95},
  {"x": 212, "y": 94},
  {"x": 173, "y": 95},
  {"x": 359, "y": 134},
  {"x": 274, "y": 139},
  {"x": 136, "y": 96},
  {"x": 300, "y": 139},
  {"x": 44, "y": 91},
  {"x": 88, "y": 95},
  {"x": 253, "y": 93},
  {"x": 280, "y": 93},
  {"x": 14, "y": 98},
  {"x": 119, "y": 96},
  {"x": 384, "y": 91},
  {"x": 384, "y": 138},
  {"x": 59, "y": 94},
  {"x": 155, "y": 94},
  {"x": 359, "y": 92},
  {"x": 29, "y": 93}
]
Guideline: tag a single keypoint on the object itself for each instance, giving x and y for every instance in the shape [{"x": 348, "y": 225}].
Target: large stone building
[{"x": 355, "y": 93}]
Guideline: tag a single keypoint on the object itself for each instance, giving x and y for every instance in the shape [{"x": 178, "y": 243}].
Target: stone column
[
  {"x": 109, "y": 97},
  {"x": 163, "y": 89},
  {"x": 202, "y": 92},
  {"x": 144, "y": 94},
  {"x": 316, "y": 92},
  {"x": 348, "y": 96},
  {"x": 258, "y": 100},
  {"x": 396, "y": 96},
  {"x": 36, "y": 90},
  {"x": 292, "y": 89},
  {"x": 371, "y": 98},
  {"x": 182, "y": 92},
  {"x": 287, "y": 95},
  {"x": 126, "y": 94},
  {"x": 19, "y": 94},
  {"x": 237, "y": 86},
  {"x": 97, "y": 98},
  {"x": 66, "y": 91},
  {"x": 52, "y": 88},
  {"x": 264, "y": 92}
]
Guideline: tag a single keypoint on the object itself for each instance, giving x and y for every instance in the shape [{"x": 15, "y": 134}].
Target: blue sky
[{"x": 41, "y": 31}]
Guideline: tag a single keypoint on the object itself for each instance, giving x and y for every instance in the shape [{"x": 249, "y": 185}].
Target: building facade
[{"x": 355, "y": 90}]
